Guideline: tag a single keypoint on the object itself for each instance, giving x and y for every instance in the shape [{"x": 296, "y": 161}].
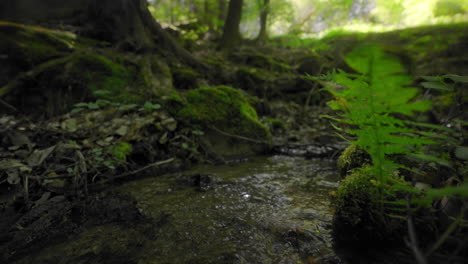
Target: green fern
[{"x": 370, "y": 102}]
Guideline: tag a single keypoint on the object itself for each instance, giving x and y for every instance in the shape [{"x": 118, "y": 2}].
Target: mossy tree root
[{"x": 20, "y": 78}]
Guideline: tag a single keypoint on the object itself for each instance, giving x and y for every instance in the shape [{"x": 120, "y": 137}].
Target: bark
[
  {"x": 221, "y": 12},
  {"x": 208, "y": 17},
  {"x": 262, "y": 35},
  {"x": 126, "y": 24},
  {"x": 231, "y": 35}
]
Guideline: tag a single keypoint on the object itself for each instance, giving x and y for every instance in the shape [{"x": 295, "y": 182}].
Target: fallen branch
[
  {"x": 240, "y": 137},
  {"x": 9, "y": 106},
  {"x": 413, "y": 241},
  {"x": 446, "y": 234},
  {"x": 158, "y": 163},
  {"x": 155, "y": 164}
]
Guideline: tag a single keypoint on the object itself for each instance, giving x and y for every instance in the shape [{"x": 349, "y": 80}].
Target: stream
[{"x": 268, "y": 209}]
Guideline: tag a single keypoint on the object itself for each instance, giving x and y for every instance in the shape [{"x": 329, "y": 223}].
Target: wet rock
[
  {"x": 200, "y": 181},
  {"x": 308, "y": 151},
  {"x": 230, "y": 123},
  {"x": 362, "y": 220}
]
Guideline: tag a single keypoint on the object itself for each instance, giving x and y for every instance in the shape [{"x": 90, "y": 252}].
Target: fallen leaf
[
  {"x": 19, "y": 139},
  {"x": 122, "y": 131},
  {"x": 38, "y": 156},
  {"x": 71, "y": 125},
  {"x": 12, "y": 163}
]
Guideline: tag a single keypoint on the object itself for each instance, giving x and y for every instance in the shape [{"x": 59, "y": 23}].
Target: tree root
[{"x": 20, "y": 78}]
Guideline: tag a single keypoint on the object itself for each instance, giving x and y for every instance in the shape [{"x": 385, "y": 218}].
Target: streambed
[{"x": 272, "y": 209}]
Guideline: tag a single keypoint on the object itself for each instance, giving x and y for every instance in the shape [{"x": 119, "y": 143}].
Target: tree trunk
[
  {"x": 221, "y": 13},
  {"x": 262, "y": 35},
  {"x": 231, "y": 35},
  {"x": 126, "y": 24},
  {"x": 208, "y": 16}
]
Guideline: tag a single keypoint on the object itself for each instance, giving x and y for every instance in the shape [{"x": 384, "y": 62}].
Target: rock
[
  {"x": 231, "y": 124},
  {"x": 200, "y": 181},
  {"x": 361, "y": 219},
  {"x": 352, "y": 157}
]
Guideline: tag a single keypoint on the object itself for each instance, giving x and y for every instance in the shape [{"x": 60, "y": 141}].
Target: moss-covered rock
[
  {"x": 225, "y": 112},
  {"x": 352, "y": 157},
  {"x": 362, "y": 213}
]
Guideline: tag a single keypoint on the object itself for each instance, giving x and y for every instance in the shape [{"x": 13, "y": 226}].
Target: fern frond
[{"x": 370, "y": 102}]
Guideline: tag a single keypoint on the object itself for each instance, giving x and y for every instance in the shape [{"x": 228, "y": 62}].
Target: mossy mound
[
  {"x": 352, "y": 157},
  {"x": 362, "y": 218},
  {"x": 225, "y": 111}
]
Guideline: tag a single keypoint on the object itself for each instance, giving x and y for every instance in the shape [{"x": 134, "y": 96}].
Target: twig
[
  {"x": 446, "y": 234},
  {"x": 239, "y": 137},
  {"x": 158, "y": 163},
  {"x": 413, "y": 243},
  {"x": 9, "y": 106},
  {"x": 39, "y": 178}
]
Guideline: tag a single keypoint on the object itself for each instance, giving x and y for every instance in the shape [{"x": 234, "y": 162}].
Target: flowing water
[{"x": 273, "y": 209}]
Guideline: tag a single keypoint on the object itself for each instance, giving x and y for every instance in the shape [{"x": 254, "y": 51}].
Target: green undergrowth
[
  {"x": 377, "y": 109},
  {"x": 121, "y": 150},
  {"x": 371, "y": 102},
  {"x": 223, "y": 108},
  {"x": 425, "y": 49}
]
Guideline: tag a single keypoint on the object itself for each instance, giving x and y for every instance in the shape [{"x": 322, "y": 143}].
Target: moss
[
  {"x": 154, "y": 79},
  {"x": 352, "y": 157},
  {"x": 362, "y": 211},
  {"x": 185, "y": 78},
  {"x": 214, "y": 61},
  {"x": 224, "y": 108},
  {"x": 264, "y": 61},
  {"x": 29, "y": 46},
  {"x": 256, "y": 73},
  {"x": 104, "y": 78},
  {"x": 254, "y": 80},
  {"x": 255, "y": 59},
  {"x": 121, "y": 150},
  {"x": 274, "y": 123}
]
